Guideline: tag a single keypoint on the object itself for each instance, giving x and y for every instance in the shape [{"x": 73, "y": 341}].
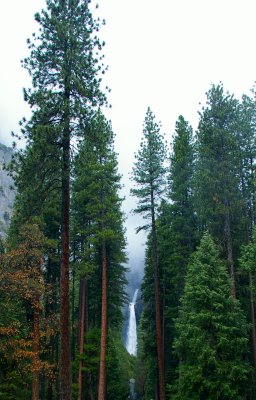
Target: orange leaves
[
  {"x": 22, "y": 283},
  {"x": 21, "y": 267},
  {"x": 15, "y": 349},
  {"x": 7, "y": 330}
]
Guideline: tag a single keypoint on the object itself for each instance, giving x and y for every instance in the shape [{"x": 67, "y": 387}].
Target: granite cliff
[{"x": 7, "y": 194}]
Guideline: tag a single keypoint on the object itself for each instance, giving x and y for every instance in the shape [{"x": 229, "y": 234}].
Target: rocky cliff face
[{"x": 6, "y": 193}]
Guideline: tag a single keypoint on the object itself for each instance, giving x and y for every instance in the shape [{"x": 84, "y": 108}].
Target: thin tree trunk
[
  {"x": 163, "y": 317},
  {"x": 36, "y": 334},
  {"x": 156, "y": 392},
  {"x": 253, "y": 191},
  {"x": 73, "y": 314},
  {"x": 86, "y": 322},
  {"x": 50, "y": 309},
  {"x": 252, "y": 307},
  {"x": 227, "y": 233},
  {"x": 50, "y": 381},
  {"x": 81, "y": 335},
  {"x": 159, "y": 339},
  {"x": 56, "y": 347},
  {"x": 43, "y": 385},
  {"x": 159, "y": 335},
  {"x": 65, "y": 370},
  {"x": 252, "y": 321},
  {"x": 103, "y": 344}
]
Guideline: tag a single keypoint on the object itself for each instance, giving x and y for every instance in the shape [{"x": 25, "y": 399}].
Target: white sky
[{"x": 164, "y": 54}]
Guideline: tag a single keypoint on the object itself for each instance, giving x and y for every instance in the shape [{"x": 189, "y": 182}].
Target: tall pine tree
[
  {"x": 98, "y": 223},
  {"x": 149, "y": 177},
  {"x": 64, "y": 71},
  {"x": 217, "y": 179},
  {"x": 176, "y": 227}
]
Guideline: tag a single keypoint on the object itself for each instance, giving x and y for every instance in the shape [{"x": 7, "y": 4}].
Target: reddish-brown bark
[
  {"x": 36, "y": 335},
  {"x": 103, "y": 343},
  {"x": 73, "y": 317},
  {"x": 81, "y": 327},
  {"x": 253, "y": 331}
]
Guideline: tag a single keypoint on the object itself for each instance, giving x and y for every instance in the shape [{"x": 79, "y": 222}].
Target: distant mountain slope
[{"x": 7, "y": 194}]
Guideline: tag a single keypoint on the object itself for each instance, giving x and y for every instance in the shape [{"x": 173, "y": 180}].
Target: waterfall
[{"x": 131, "y": 342}]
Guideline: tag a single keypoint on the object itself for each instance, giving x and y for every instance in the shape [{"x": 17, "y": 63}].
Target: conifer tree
[
  {"x": 247, "y": 157},
  {"x": 176, "y": 227},
  {"x": 217, "y": 181},
  {"x": 212, "y": 333},
  {"x": 247, "y": 262},
  {"x": 36, "y": 173},
  {"x": 64, "y": 71},
  {"x": 149, "y": 177},
  {"x": 181, "y": 181},
  {"x": 98, "y": 223}
]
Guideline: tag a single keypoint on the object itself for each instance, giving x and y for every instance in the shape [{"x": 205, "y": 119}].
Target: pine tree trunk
[
  {"x": 87, "y": 375},
  {"x": 73, "y": 316},
  {"x": 252, "y": 321},
  {"x": 159, "y": 335},
  {"x": 159, "y": 340},
  {"x": 103, "y": 344},
  {"x": 50, "y": 381},
  {"x": 252, "y": 178},
  {"x": 227, "y": 234},
  {"x": 65, "y": 371},
  {"x": 82, "y": 317},
  {"x": 36, "y": 334},
  {"x": 156, "y": 392}
]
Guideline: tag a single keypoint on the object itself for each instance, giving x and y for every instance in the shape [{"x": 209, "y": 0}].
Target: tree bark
[
  {"x": 87, "y": 375},
  {"x": 36, "y": 335},
  {"x": 82, "y": 323},
  {"x": 65, "y": 370},
  {"x": 50, "y": 381},
  {"x": 103, "y": 344},
  {"x": 252, "y": 321},
  {"x": 253, "y": 199},
  {"x": 159, "y": 335},
  {"x": 73, "y": 312}
]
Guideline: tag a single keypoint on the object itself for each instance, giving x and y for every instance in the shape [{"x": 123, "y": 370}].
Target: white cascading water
[{"x": 131, "y": 342}]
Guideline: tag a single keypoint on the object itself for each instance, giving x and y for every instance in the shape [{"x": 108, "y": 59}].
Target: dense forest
[{"x": 63, "y": 263}]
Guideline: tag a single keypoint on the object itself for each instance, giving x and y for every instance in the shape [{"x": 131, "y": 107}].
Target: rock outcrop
[{"x": 7, "y": 194}]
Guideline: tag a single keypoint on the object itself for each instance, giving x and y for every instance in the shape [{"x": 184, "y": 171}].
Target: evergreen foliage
[
  {"x": 211, "y": 332},
  {"x": 217, "y": 172},
  {"x": 248, "y": 254},
  {"x": 62, "y": 267},
  {"x": 149, "y": 169},
  {"x": 217, "y": 165},
  {"x": 97, "y": 216},
  {"x": 98, "y": 224},
  {"x": 177, "y": 232},
  {"x": 247, "y": 156},
  {"x": 146, "y": 367},
  {"x": 149, "y": 175},
  {"x": 64, "y": 70}
]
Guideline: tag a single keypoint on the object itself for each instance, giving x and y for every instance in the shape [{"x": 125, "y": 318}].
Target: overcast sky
[{"x": 164, "y": 54}]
